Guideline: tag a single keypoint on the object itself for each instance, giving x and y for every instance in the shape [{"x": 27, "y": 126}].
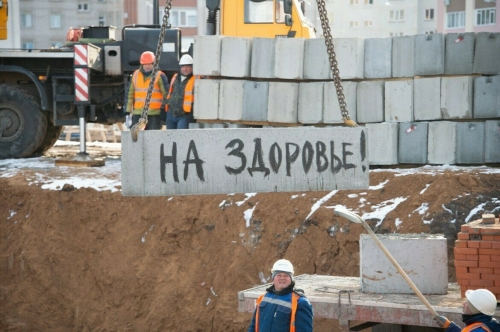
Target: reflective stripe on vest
[
  {"x": 141, "y": 90},
  {"x": 474, "y": 326},
  {"x": 187, "y": 106},
  {"x": 295, "y": 300}
]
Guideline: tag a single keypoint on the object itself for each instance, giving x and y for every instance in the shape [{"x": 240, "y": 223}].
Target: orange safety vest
[
  {"x": 295, "y": 300},
  {"x": 141, "y": 90},
  {"x": 188, "y": 94},
  {"x": 474, "y": 326}
]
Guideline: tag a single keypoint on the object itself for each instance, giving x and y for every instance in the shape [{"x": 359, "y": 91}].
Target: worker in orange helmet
[
  {"x": 477, "y": 313},
  {"x": 138, "y": 89}
]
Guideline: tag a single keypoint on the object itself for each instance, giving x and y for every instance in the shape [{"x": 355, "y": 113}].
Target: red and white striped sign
[
  {"x": 82, "y": 84},
  {"x": 81, "y": 55}
]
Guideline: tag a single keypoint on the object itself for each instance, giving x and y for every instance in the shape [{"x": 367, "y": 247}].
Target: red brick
[
  {"x": 464, "y": 228},
  {"x": 481, "y": 270},
  {"x": 488, "y": 218},
  {"x": 488, "y": 237},
  {"x": 488, "y": 276},
  {"x": 473, "y": 244},
  {"x": 463, "y": 269},
  {"x": 497, "y": 238},
  {"x": 496, "y": 271},
  {"x": 490, "y": 231},
  {"x": 482, "y": 283},
  {"x": 469, "y": 264},
  {"x": 472, "y": 257},
  {"x": 474, "y": 230},
  {"x": 467, "y": 251},
  {"x": 495, "y": 258},
  {"x": 494, "y": 265},
  {"x": 497, "y": 282},
  {"x": 463, "y": 282},
  {"x": 468, "y": 276},
  {"x": 494, "y": 245},
  {"x": 462, "y": 236},
  {"x": 485, "y": 244},
  {"x": 484, "y": 258},
  {"x": 460, "y": 257},
  {"x": 460, "y": 244},
  {"x": 486, "y": 251}
]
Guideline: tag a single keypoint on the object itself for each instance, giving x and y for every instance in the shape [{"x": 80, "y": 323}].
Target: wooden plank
[{"x": 80, "y": 163}]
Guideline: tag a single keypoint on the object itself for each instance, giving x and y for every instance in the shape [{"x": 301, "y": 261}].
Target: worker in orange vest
[
  {"x": 477, "y": 313},
  {"x": 138, "y": 88},
  {"x": 282, "y": 308}
]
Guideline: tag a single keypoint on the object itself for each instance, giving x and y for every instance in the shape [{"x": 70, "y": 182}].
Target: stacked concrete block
[
  {"x": 231, "y": 100},
  {"x": 283, "y": 98},
  {"x": 429, "y": 54},
  {"x": 370, "y": 102},
  {"x": 492, "y": 143},
  {"x": 403, "y": 56},
  {"x": 412, "y": 148},
  {"x": 263, "y": 57},
  {"x": 378, "y": 55},
  {"x": 310, "y": 109},
  {"x": 206, "y": 95},
  {"x": 456, "y": 97},
  {"x": 350, "y": 57},
  {"x": 486, "y": 53},
  {"x": 459, "y": 52},
  {"x": 255, "y": 95},
  {"x": 487, "y": 97},
  {"x": 331, "y": 108},
  {"x": 316, "y": 62},
  {"x": 236, "y": 126},
  {"x": 289, "y": 58},
  {"x": 207, "y": 55},
  {"x": 236, "y": 56},
  {"x": 442, "y": 144},
  {"x": 427, "y": 98},
  {"x": 399, "y": 101},
  {"x": 200, "y": 125},
  {"x": 470, "y": 142},
  {"x": 382, "y": 143}
]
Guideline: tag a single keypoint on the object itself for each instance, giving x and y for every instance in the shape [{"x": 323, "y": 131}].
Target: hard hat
[
  {"x": 282, "y": 265},
  {"x": 186, "y": 60},
  {"x": 147, "y": 57},
  {"x": 483, "y": 300}
]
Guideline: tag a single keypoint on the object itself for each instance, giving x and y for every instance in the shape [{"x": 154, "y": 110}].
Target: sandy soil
[{"x": 84, "y": 260}]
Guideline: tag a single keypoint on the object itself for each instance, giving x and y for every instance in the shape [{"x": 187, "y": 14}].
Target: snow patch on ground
[{"x": 381, "y": 210}]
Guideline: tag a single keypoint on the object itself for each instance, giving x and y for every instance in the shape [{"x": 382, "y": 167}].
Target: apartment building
[{"x": 468, "y": 16}]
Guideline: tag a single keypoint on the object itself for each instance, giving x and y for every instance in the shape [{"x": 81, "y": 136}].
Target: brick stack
[{"x": 477, "y": 255}]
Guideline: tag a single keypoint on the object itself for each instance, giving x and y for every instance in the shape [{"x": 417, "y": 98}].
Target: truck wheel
[
  {"x": 22, "y": 123},
  {"x": 52, "y": 135}
]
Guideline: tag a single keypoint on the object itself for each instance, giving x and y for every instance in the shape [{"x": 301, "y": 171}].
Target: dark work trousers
[
  {"x": 178, "y": 122},
  {"x": 154, "y": 122}
]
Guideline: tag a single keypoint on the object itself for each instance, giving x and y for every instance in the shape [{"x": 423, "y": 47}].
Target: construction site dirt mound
[{"x": 88, "y": 260}]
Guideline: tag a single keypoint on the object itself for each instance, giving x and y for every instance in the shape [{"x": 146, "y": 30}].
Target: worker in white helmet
[
  {"x": 282, "y": 307},
  {"x": 477, "y": 313},
  {"x": 180, "y": 99}
]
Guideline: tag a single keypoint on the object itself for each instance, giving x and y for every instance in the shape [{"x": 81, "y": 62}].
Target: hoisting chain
[
  {"x": 325, "y": 24},
  {"x": 143, "y": 121}
]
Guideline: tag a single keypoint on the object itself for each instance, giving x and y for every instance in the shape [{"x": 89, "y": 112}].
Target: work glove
[{"x": 442, "y": 321}]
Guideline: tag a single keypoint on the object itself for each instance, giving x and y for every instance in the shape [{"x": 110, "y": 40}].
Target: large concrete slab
[
  {"x": 486, "y": 53},
  {"x": 331, "y": 107},
  {"x": 429, "y": 54},
  {"x": 310, "y": 109},
  {"x": 207, "y": 55},
  {"x": 263, "y": 57},
  {"x": 427, "y": 98},
  {"x": 350, "y": 57},
  {"x": 206, "y": 95},
  {"x": 456, "y": 97},
  {"x": 487, "y": 97},
  {"x": 255, "y": 100},
  {"x": 492, "y": 143},
  {"x": 316, "y": 62},
  {"x": 403, "y": 56},
  {"x": 378, "y": 55},
  {"x": 428, "y": 270},
  {"x": 231, "y": 100},
  {"x": 412, "y": 148},
  {"x": 399, "y": 101},
  {"x": 459, "y": 53},
  {"x": 442, "y": 144},
  {"x": 289, "y": 58},
  {"x": 236, "y": 56},
  {"x": 383, "y": 143},
  {"x": 470, "y": 142},
  {"x": 216, "y": 161},
  {"x": 282, "y": 102},
  {"x": 370, "y": 101}
]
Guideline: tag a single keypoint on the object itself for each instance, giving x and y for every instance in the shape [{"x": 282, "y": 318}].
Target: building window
[
  {"x": 102, "y": 20},
  {"x": 368, "y": 2},
  {"x": 397, "y": 15},
  {"x": 368, "y": 23},
  {"x": 83, "y": 7},
  {"x": 353, "y": 24},
  {"x": 183, "y": 18},
  {"x": 28, "y": 45},
  {"x": 354, "y": 2},
  {"x": 486, "y": 16},
  {"x": 55, "y": 21},
  {"x": 26, "y": 20},
  {"x": 455, "y": 20},
  {"x": 429, "y": 14}
]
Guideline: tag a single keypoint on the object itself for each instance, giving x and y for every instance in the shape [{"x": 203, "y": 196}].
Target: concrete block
[
  {"x": 370, "y": 102},
  {"x": 412, "y": 147},
  {"x": 231, "y": 100},
  {"x": 487, "y": 97},
  {"x": 200, "y": 125},
  {"x": 316, "y": 62},
  {"x": 456, "y": 97},
  {"x": 486, "y": 53},
  {"x": 132, "y": 168},
  {"x": 263, "y": 57},
  {"x": 289, "y": 58},
  {"x": 255, "y": 95},
  {"x": 399, "y": 101},
  {"x": 207, "y": 55},
  {"x": 459, "y": 54},
  {"x": 206, "y": 95},
  {"x": 429, "y": 269},
  {"x": 310, "y": 109},
  {"x": 350, "y": 54},
  {"x": 383, "y": 143},
  {"x": 442, "y": 144},
  {"x": 429, "y": 54},
  {"x": 236, "y": 126},
  {"x": 236, "y": 56},
  {"x": 282, "y": 105},
  {"x": 427, "y": 98},
  {"x": 492, "y": 143},
  {"x": 378, "y": 55},
  {"x": 331, "y": 107},
  {"x": 470, "y": 142},
  {"x": 403, "y": 56}
]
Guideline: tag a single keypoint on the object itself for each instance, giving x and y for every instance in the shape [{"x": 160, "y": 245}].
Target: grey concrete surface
[
  {"x": 370, "y": 101},
  {"x": 459, "y": 53},
  {"x": 283, "y": 101},
  {"x": 456, "y": 97},
  {"x": 236, "y": 57},
  {"x": 255, "y": 100},
  {"x": 486, "y": 53},
  {"x": 350, "y": 57},
  {"x": 442, "y": 143},
  {"x": 470, "y": 142},
  {"x": 429, "y": 54},
  {"x": 310, "y": 108},
  {"x": 289, "y": 58},
  {"x": 263, "y": 57},
  {"x": 492, "y": 141},
  {"x": 231, "y": 100},
  {"x": 487, "y": 96},
  {"x": 412, "y": 142},
  {"x": 331, "y": 107},
  {"x": 207, "y": 55},
  {"x": 398, "y": 101},
  {"x": 383, "y": 143},
  {"x": 403, "y": 56},
  {"x": 427, "y": 98},
  {"x": 378, "y": 58},
  {"x": 206, "y": 96},
  {"x": 316, "y": 62}
]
